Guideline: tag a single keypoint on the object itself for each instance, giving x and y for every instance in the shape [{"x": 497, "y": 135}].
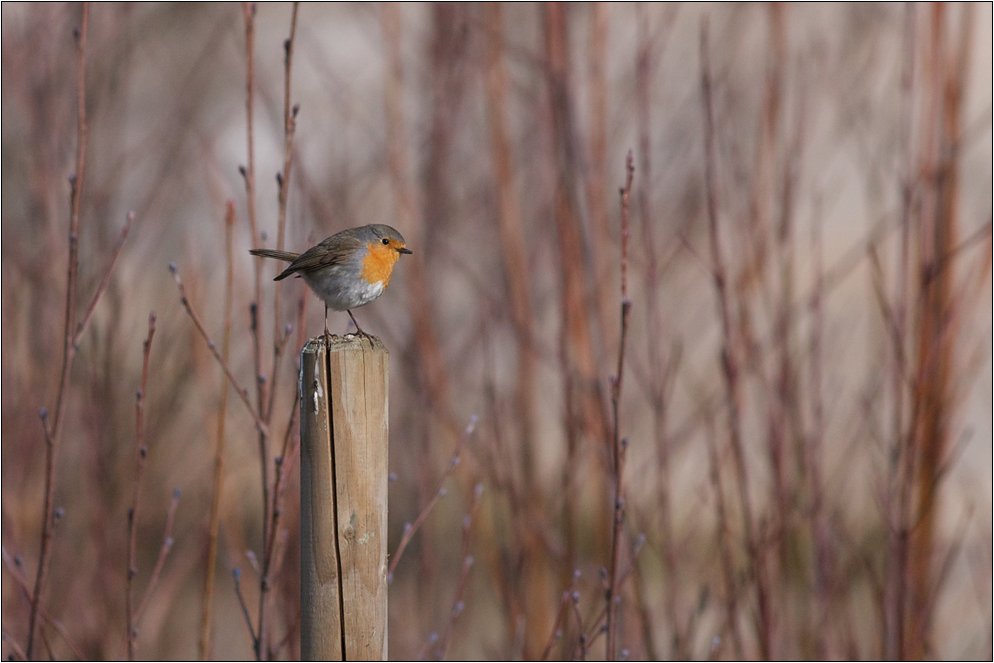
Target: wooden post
[{"x": 343, "y": 499}]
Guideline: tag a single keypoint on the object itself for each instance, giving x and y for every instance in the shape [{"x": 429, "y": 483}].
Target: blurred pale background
[{"x": 824, "y": 117}]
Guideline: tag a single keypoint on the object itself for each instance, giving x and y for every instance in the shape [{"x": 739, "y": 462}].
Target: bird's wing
[{"x": 333, "y": 251}]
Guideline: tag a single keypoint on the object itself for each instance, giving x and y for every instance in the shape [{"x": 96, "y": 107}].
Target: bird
[{"x": 347, "y": 270}]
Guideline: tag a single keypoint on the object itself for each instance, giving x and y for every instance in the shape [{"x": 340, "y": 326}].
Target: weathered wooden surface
[{"x": 343, "y": 500}]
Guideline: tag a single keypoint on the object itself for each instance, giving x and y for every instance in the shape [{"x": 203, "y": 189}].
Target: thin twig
[
  {"x": 559, "y": 624},
  {"x": 248, "y": 174},
  {"x": 237, "y": 574},
  {"x": 411, "y": 529},
  {"x": 167, "y": 544},
  {"x": 260, "y": 383},
  {"x": 18, "y": 651},
  {"x": 283, "y": 180},
  {"x": 208, "y": 599},
  {"x": 618, "y": 445},
  {"x": 582, "y": 643},
  {"x": 280, "y": 339},
  {"x": 597, "y": 628},
  {"x": 458, "y": 604},
  {"x": 14, "y": 566},
  {"x": 141, "y": 453},
  {"x": 248, "y": 171},
  {"x": 242, "y": 393},
  {"x": 284, "y": 466},
  {"x": 52, "y": 435},
  {"x": 279, "y": 343},
  {"x": 105, "y": 281}
]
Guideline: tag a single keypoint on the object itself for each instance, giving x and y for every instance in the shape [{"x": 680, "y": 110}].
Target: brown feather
[
  {"x": 332, "y": 251},
  {"x": 272, "y": 253}
]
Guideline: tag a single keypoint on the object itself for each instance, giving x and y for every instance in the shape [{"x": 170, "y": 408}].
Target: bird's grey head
[
  {"x": 390, "y": 236},
  {"x": 383, "y": 231}
]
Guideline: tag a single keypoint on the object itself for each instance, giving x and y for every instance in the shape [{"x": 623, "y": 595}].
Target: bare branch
[
  {"x": 409, "y": 529},
  {"x": 52, "y": 435},
  {"x": 242, "y": 393},
  {"x": 141, "y": 453}
]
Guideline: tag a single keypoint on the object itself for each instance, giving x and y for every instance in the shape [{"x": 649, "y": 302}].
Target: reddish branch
[
  {"x": 53, "y": 433},
  {"x": 587, "y": 423},
  {"x": 467, "y": 563},
  {"x": 426, "y": 339},
  {"x": 105, "y": 281},
  {"x": 729, "y": 355},
  {"x": 167, "y": 544},
  {"x": 248, "y": 173},
  {"x": 514, "y": 249},
  {"x": 237, "y": 575},
  {"x": 141, "y": 453},
  {"x": 595, "y": 178},
  {"x": 270, "y": 515},
  {"x": 564, "y": 606},
  {"x": 617, "y": 444},
  {"x": 208, "y": 599},
  {"x": 283, "y": 180},
  {"x": 17, "y": 571},
  {"x": 271, "y": 555},
  {"x": 242, "y": 393},
  {"x": 409, "y": 529},
  {"x": 135, "y": 615}
]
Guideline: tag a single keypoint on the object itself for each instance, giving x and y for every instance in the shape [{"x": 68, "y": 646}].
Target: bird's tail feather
[
  {"x": 279, "y": 255},
  {"x": 272, "y": 253}
]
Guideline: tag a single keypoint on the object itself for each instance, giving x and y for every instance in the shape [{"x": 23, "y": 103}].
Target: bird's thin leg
[
  {"x": 357, "y": 327},
  {"x": 327, "y": 336}
]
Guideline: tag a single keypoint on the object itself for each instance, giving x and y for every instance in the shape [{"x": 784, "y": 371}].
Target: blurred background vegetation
[{"x": 806, "y": 393}]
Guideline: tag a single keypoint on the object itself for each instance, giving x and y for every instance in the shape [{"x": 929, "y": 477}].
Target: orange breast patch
[{"x": 378, "y": 263}]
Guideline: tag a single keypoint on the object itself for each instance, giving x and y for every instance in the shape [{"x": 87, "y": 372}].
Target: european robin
[{"x": 347, "y": 270}]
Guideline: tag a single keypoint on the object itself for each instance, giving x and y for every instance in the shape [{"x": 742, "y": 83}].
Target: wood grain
[{"x": 344, "y": 433}]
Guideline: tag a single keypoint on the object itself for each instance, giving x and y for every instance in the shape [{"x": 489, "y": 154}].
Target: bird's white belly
[{"x": 341, "y": 290}]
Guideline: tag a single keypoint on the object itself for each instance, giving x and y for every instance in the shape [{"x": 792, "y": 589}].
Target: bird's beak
[{"x": 404, "y": 249}]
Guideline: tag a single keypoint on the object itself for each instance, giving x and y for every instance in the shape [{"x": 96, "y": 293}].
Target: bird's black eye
[{"x": 386, "y": 242}]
